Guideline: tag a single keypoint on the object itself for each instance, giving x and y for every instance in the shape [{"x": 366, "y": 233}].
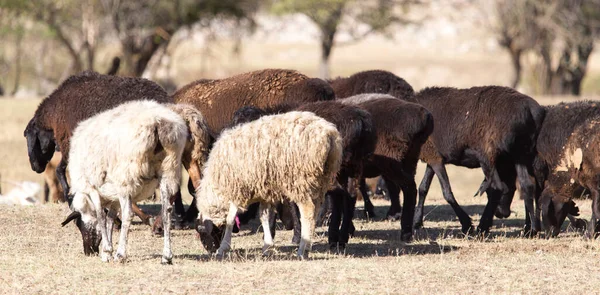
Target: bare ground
[{"x": 39, "y": 256}]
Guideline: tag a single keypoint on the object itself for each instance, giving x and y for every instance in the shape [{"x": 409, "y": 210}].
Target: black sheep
[{"x": 491, "y": 127}]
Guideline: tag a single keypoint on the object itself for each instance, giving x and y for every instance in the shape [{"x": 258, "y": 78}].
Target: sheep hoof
[
  {"x": 166, "y": 261},
  {"x": 393, "y": 216},
  {"x": 418, "y": 224},
  {"x": 468, "y": 229},
  {"x": 120, "y": 258},
  {"x": 105, "y": 257},
  {"x": 580, "y": 224},
  {"x": 406, "y": 237}
]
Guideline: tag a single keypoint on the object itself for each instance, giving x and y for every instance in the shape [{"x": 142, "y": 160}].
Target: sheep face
[
  {"x": 40, "y": 146},
  {"x": 210, "y": 234},
  {"x": 87, "y": 223}
]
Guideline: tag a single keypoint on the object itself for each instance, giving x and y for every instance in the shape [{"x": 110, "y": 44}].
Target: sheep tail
[
  {"x": 171, "y": 137},
  {"x": 198, "y": 130},
  {"x": 334, "y": 158}
]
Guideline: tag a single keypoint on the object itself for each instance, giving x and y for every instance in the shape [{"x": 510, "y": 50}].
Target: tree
[
  {"x": 143, "y": 26},
  {"x": 561, "y": 34},
  {"x": 73, "y": 23},
  {"x": 328, "y": 14}
]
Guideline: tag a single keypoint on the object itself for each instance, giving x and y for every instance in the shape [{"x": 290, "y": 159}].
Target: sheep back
[
  {"x": 375, "y": 81},
  {"x": 490, "y": 120},
  {"x": 219, "y": 99},
  {"x": 294, "y": 155},
  {"x": 118, "y": 151},
  {"x": 84, "y": 95}
]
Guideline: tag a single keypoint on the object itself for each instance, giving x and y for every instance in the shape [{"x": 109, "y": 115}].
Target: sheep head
[
  {"x": 40, "y": 146},
  {"x": 210, "y": 234},
  {"x": 87, "y": 223}
]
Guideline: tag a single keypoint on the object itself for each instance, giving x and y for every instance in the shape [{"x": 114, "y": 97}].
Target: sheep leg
[
  {"x": 110, "y": 223},
  {"x": 423, "y": 190},
  {"x": 463, "y": 217},
  {"x": 369, "y": 208},
  {"x": 126, "y": 216},
  {"x": 102, "y": 226},
  {"x": 226, "y": 242},
  {"x": 143, "y": 216},
  {"x": 548, "y": 218},
  {"x": 167, "y": 208},
  {"x": 61, "y": 174},
  {"x": 307, "y": 218},
  {"x": 297, "y": 225},
  {"x": 502, "y": 183},
  {"x": 266, "y": 213},
  {"x": 592, "y": 231},
  {"x": 333, "y": 232}
]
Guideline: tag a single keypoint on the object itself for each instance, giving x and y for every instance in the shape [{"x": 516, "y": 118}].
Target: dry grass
[{"x": 38, "y": 256}]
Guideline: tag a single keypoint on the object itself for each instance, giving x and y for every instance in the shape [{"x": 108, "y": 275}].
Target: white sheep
[
  {"x": 295, "y": 155},
  {"x": 122, "y": 156}
]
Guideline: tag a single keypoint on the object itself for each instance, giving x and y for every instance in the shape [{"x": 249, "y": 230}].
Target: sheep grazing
[
  {"x": 292, "y": 156},
  {"x": 359, "y": 137},
  {"x": 374, "y": 81},
  {"x": 219, "y": 99},
  {"x": 567, "y": 161},
  {"x": 492, "y": 127},
  {"x": 402, "y": 128},
  {"x": 138, "y": 147},
  {"x": 76, "y": 99}
]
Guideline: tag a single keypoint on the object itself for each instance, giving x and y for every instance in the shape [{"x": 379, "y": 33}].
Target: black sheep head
[
  {"x": 88, "y": 228},
  {"x": 210, "y": 234},
  {"x": 40, "y": 146}
]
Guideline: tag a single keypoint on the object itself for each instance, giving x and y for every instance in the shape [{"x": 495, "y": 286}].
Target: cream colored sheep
[
  {"x": 295, "y": 155},
  {"x": 122, "y": 156}
]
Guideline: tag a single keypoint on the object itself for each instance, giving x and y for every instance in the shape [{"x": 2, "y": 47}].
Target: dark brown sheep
[
  {"x": 491, "y": 127},
  {"x": 567, "y": 160},
  {"x": 356, "y": 128},
  {"x": 375, "y": 81},
  {"x": 78, "y": 98},
  {"x": 402, "y": 129}
]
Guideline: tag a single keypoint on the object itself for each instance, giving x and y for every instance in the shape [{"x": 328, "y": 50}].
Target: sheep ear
[
  {"x": 204, "y": 227},
  {"x": 72, "y": 216}
]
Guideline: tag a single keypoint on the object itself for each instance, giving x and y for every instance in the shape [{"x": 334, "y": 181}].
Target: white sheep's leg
[
  {"x": 106, "y": 250},
  {"x": 307, "y": 219},
  {"x": 167, "y": 209},
  {"x": 110, "y": 223},
  {"x": 226, "y": 242},
  {"x": 126, "y": 217},
  {"x": 265, "y": 216}
]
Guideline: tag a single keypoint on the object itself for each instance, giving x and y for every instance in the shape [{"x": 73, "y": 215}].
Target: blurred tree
[
  {"x": 74, "y": 23},
  {"x": 328, "y": 14},
  {"x": 560, "y": 33},
  {"x": 12, "y": 27},
  {"x": 143, "y": 26}
]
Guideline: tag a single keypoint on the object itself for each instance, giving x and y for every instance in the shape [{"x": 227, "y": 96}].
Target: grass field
[{"x": 39, "y": 256}]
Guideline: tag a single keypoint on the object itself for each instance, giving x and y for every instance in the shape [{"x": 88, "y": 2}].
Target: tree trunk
[
  {"x": 137, "y": 57},
  {"x": 515, "y": 56},
  {"x": 327, "y": 36},
  {"x": 18, "y": 54}
]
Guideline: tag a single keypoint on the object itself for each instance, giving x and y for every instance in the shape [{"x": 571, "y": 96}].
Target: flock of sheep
[{"x": 277, "y": 140}]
